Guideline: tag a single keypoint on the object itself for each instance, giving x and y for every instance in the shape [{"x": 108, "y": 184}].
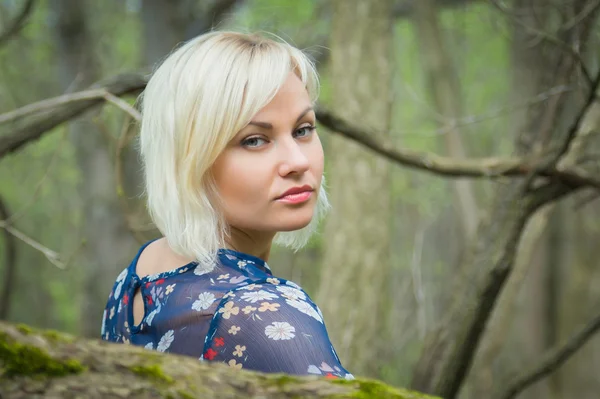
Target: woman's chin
[{"x": 295, "y": 223}]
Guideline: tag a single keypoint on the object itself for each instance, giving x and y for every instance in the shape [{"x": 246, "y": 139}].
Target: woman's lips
[{"x": 297, "y": 198}]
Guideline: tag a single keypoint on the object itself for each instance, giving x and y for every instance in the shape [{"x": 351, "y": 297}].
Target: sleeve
[{"x": 272, "y": 328}]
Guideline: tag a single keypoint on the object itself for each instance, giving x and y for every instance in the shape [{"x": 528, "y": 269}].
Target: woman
[{"x": 232, "y": 163}]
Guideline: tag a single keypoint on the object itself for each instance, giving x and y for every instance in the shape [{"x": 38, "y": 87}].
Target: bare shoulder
[{"x": 158, "y": 257}]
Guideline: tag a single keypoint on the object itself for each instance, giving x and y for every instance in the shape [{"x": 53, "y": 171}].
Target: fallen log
[{"x": 48, "y": 364}]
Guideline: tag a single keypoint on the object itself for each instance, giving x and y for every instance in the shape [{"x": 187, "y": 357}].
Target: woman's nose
[{"x": 293, "y": 159}]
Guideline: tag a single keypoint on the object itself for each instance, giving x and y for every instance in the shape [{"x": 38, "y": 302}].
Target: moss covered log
[{"x": 47, "y": 364}]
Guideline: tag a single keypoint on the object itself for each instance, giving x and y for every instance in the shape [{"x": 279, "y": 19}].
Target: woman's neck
[{"x": 252, "y": 243}]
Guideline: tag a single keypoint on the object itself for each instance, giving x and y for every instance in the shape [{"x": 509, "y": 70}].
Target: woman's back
[{"x": 237, "y": 313}]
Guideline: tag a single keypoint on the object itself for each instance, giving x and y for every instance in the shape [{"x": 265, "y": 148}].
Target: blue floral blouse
[{"x": 238, "y": 314}]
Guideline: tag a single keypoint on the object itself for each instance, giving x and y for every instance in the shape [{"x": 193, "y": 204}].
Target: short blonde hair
[{"x": 197, "y": 100}]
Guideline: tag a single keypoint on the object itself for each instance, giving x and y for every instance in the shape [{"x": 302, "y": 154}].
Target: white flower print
[
  {"x": 326, "y": 368},
  {"x": 199, "y": 271},
  {"x": 305, "y": 308},
  {"x": 237, "y": 279},
  {"x": 319, "y": 311},
  {"x": 234, "y": 330},
  {"x": 153, "y": 277},
  {"x": 166, "y": 341},
  {"x": 256, "y": 296},
  {"x": 273, "y": 281},
  {"x": 242, "y": 264},
  {"x": 250, "y": 287},
  {"x": 151, "y": 315},
  {"x": 292, "y": 284},
  {"x": 312, "y": 369},
  {"x": 204, "y": 301},
  {"x": 102, "y": 331},
  {"x": 223, "y": 276},
  {"x": 280, "y": 331},
  {"x": 170, "y": 288},
  {"x": 290, "y": 292},
  {"x": 118, "y": 289},
  {"x": 122, "y": 275},
  {"x": 149, "y": 345}
]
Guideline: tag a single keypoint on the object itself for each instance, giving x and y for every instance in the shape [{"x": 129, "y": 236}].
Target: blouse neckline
[{"x": 226, "y": 256}]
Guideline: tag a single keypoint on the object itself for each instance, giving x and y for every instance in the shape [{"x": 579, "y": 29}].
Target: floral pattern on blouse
[{"x": 238, "y": 314}]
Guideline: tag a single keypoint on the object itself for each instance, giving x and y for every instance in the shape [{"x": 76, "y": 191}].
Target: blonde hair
[{"x": 197, "y": 100}]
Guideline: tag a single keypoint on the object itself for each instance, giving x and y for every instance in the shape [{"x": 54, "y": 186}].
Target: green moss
[
  {"x": 19, "y": 359},
  {"x": 367, "y": 389},
  {"x": 24, "y": 329},
  {"x": 185, "y": 395},
  {"x": 153, "y": 372},
  {"x": 284, "y": 380},
  {"x": 55, "y": 336}
]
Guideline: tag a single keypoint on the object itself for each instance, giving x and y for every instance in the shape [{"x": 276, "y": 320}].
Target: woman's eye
[
  {"x": 304, "y": 131},
  {"x": 253, "y": 142}
]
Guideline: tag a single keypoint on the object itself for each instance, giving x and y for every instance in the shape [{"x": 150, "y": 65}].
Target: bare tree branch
[
  {"x": 10, "y": 258},
  {"x": 444, "y": 166},
  {"x": 39, "y": 124},
  {"x": 18, "y": 23},
  {"x": 51, "y": 255},
  {"x": 551, "y": 361},
  {"x": 47, "y": 114},
  {"x": 553, "y": 39}
]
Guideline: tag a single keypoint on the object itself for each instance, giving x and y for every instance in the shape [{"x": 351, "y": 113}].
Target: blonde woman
[{"x": 233, "y": 163}]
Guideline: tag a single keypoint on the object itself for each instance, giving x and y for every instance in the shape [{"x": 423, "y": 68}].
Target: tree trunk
[
  {"x": 353, "y": 291},
  {"x": 448, "y": 354},
  {"x": 47, "y": 364},
  {"x": 444, "y": 89},
  {"x": 108, "y": 244}
]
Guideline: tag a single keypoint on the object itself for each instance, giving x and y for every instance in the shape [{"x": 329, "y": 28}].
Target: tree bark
[
  {"x": 108, "y": 243},
  {"x": 353, "y": 291},
  {"x": 47, "y": 364},
  {"x": 444, "y": 89},
  {"x": 449, "y": 351}
]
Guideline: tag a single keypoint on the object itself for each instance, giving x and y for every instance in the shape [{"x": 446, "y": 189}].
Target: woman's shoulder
[{"x": 271, "y": 293}]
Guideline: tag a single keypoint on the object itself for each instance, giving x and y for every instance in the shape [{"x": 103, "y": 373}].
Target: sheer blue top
[{"x": 238, "y": 314}]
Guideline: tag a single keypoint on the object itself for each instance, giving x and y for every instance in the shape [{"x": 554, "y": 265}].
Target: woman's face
[{"x": 277, "y": 151}]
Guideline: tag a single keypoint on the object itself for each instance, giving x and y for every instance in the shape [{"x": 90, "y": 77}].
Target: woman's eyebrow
[{"x": 266, "y": 125}]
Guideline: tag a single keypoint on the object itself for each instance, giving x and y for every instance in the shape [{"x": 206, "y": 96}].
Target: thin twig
[
  {"x": 134, "y": 113},
  {"x": 551, "y": 39},
  {"x": 51, "y": 255},
  {"x": 552, "y": 360},
  {"x": 591, "y": 7},
  {"x": 36, "y": 191}
]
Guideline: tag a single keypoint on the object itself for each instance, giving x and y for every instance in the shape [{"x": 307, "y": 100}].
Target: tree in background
[
  {"x": 553, "y": 135},
  {"x": 357, "y": 233}
]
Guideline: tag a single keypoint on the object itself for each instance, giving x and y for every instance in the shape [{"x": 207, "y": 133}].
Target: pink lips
[{"x": 296, "y": 198}]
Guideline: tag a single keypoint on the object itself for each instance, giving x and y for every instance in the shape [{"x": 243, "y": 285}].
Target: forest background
[{"x": 450, "y": 273}]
